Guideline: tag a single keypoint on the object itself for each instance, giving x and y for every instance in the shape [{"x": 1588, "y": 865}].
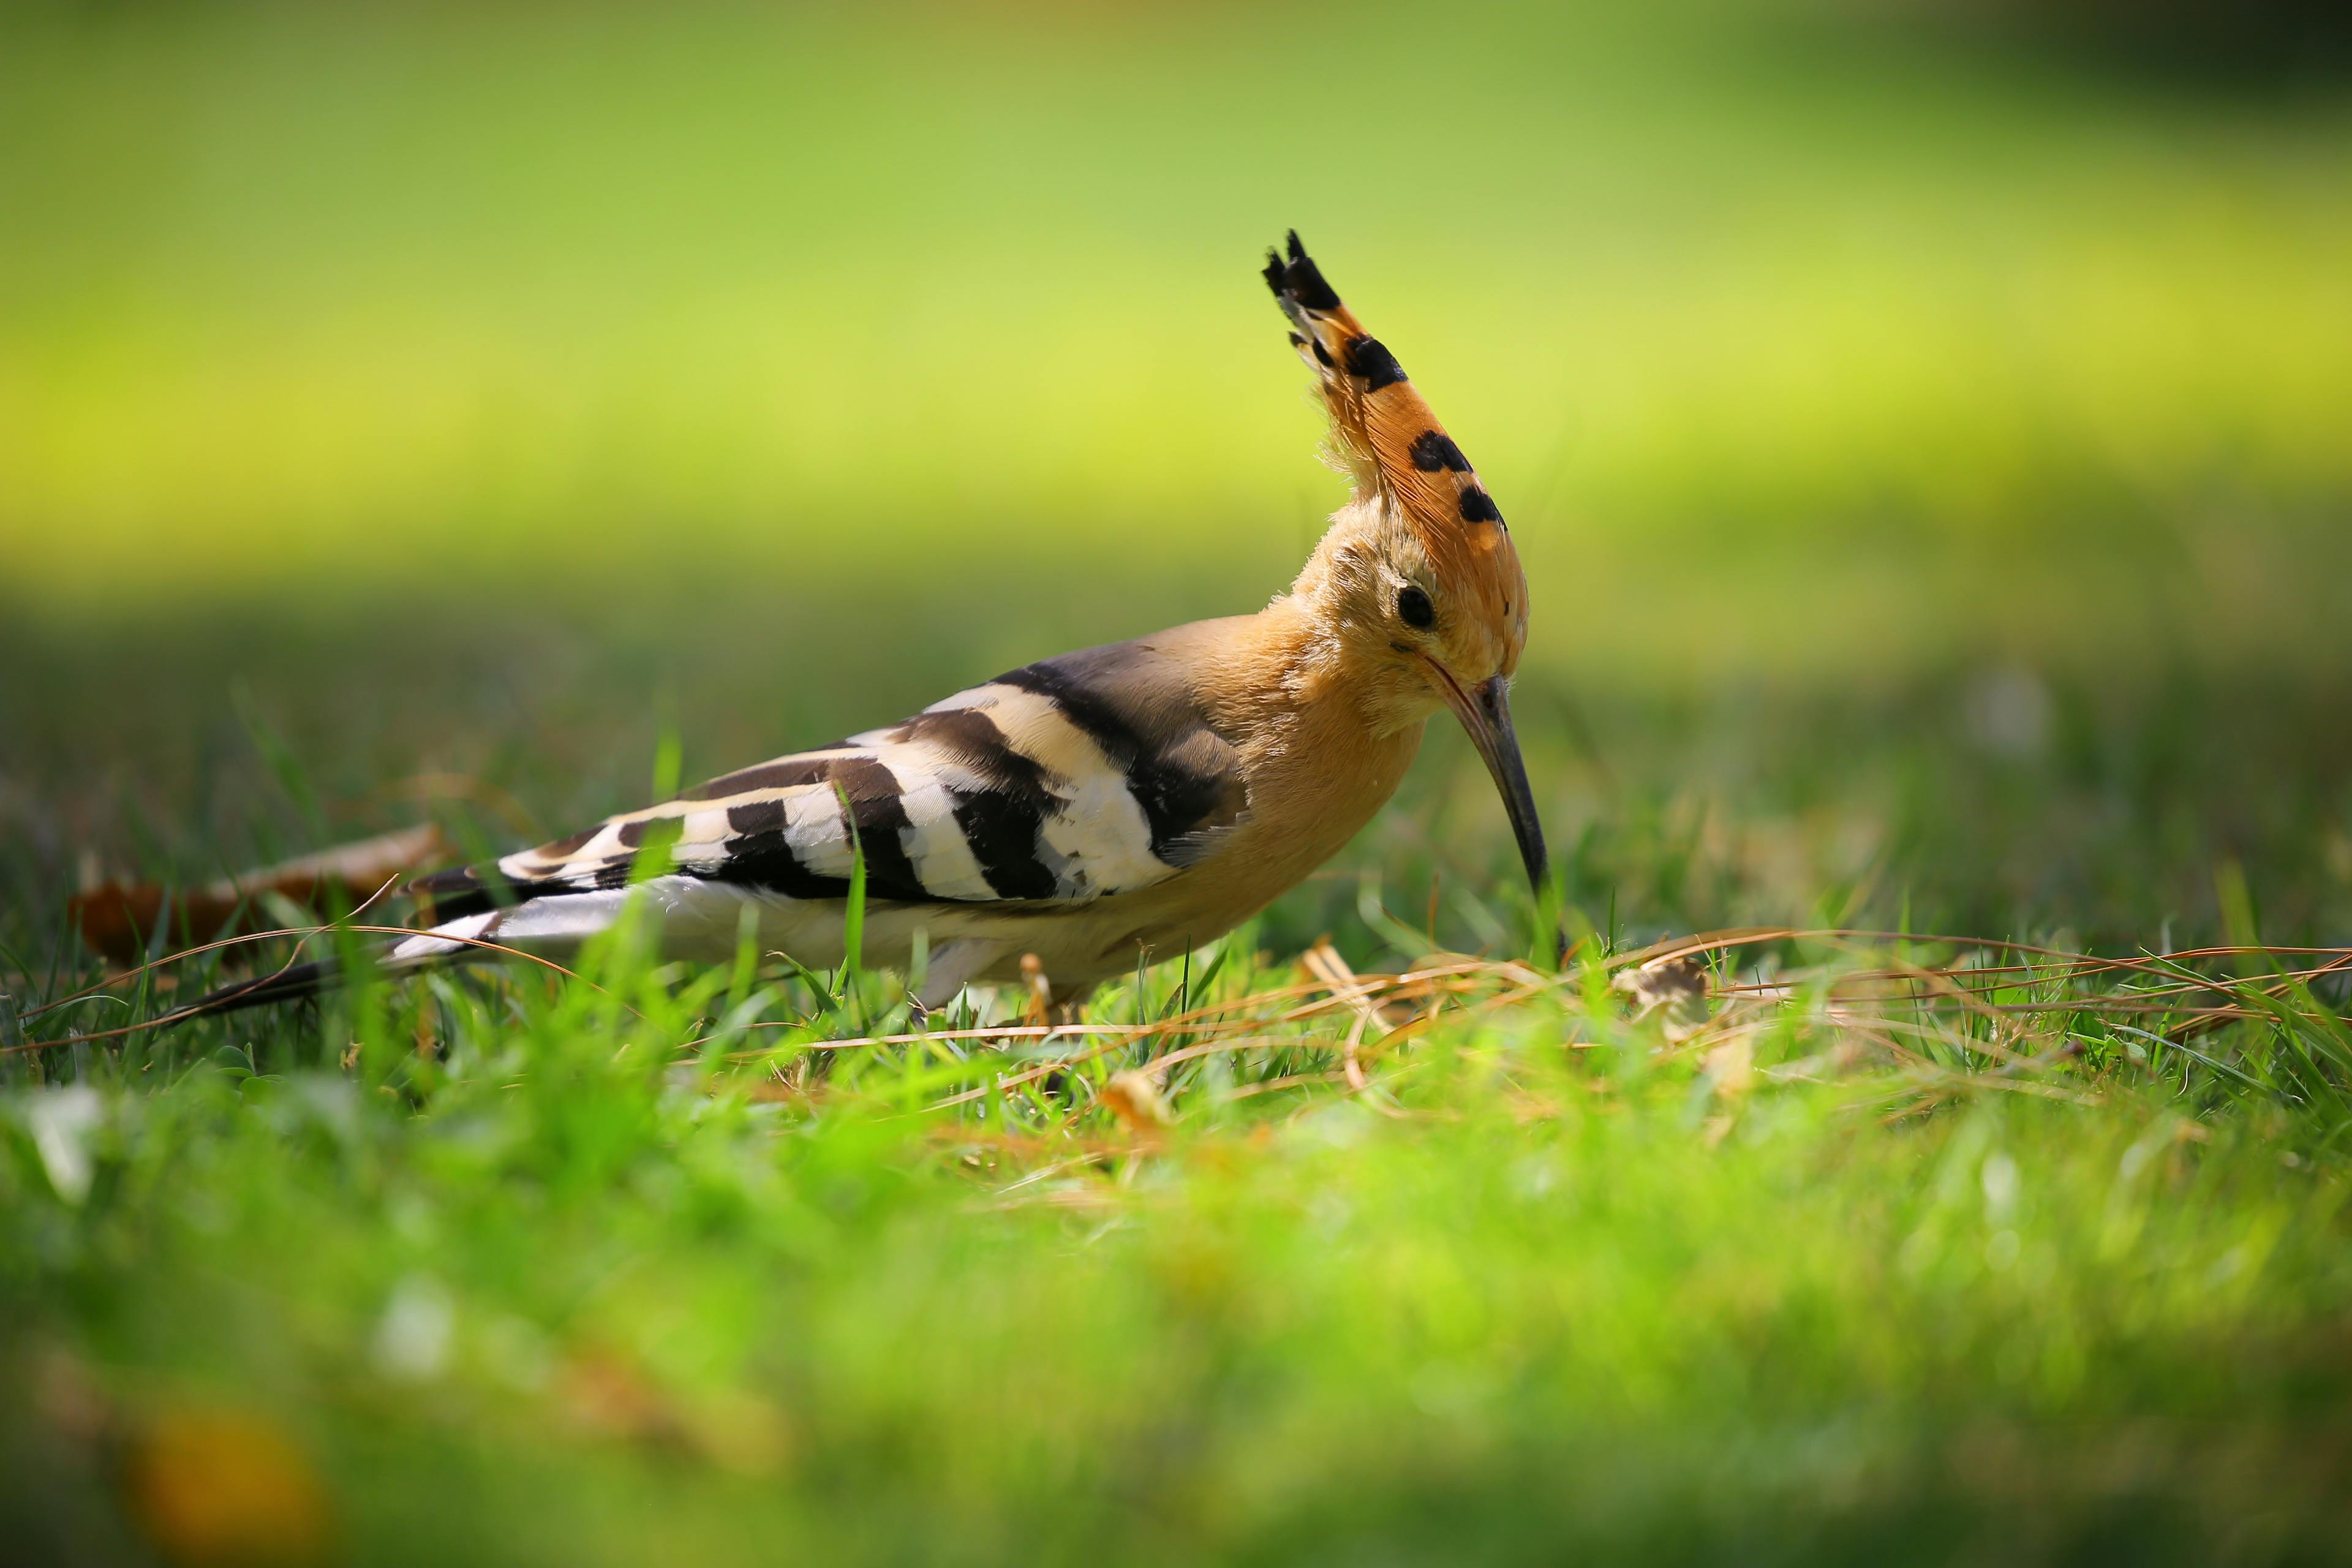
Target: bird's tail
[
  {"x": 539, "y": 924},
  {"x": 401, "y": 956},
  {"x": 290, "y": 985},
  {"x": 1392, "y": 444}
]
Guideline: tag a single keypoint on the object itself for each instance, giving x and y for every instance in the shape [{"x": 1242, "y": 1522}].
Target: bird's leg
[
  {"x": 1054, "y": 1009},
  {"x": 1037, "y": 991}
]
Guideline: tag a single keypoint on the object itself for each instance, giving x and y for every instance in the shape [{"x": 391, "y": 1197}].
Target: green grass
[
  {"x": 409, "y": 299},
  {"x": 1927, "y": 455},
  {"x": 601, "y": 1270}
]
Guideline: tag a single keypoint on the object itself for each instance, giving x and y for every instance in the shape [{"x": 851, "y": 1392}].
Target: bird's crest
[{"x": 1395, "y": 449}]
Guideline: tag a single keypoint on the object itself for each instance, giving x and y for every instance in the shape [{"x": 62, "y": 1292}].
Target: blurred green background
[
  {"x": 1926, "y": 429},
  {"x": 1895, "y": 406}
]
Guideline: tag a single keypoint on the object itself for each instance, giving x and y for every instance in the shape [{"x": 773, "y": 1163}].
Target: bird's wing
[{"x": 1065, "y": 781}]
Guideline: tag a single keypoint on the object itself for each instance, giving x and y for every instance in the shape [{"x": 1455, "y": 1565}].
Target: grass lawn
[{"x": 1927, "y": 451}]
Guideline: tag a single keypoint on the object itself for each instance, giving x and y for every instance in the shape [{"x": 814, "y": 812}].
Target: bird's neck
[
  {"x": 1323, "y": 749},
  {"x": 1297, "y": 661}
]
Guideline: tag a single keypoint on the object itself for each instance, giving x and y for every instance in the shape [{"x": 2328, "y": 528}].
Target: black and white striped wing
[{"x": 1067, "y": 781}]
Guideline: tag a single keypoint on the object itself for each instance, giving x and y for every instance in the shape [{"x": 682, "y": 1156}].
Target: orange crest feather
[{"x": 1395, "y": 449}]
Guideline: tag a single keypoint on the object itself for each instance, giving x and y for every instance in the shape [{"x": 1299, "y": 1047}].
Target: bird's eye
[{"x": 1414, "y": 609}]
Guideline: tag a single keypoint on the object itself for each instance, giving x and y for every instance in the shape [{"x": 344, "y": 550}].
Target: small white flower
[
  {"x": 412, "y": 1340},
  {"x": 62, "y": 1120},
  {"x": 2000, "y": 1180}
]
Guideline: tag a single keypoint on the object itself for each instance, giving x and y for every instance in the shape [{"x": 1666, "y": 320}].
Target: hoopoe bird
[{"x": 1116, "y": 804}]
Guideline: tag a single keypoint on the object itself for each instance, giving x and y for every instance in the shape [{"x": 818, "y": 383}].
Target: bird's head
[{"x": 1417, "y": 577}]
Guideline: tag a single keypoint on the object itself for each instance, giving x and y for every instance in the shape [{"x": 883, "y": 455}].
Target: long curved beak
[{"x": 1485, "y": 711}]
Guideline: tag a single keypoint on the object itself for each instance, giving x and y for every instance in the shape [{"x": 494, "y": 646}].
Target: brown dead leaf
[
  {"x": 1672, "y": 990},
  {"x": 215, "y": 1485},
  {"x": 116, "y": 919},
  {"x": 1136, "y": 1100}
]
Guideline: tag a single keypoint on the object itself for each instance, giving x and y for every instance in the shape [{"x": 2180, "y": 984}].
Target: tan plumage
[{"x": 1116, "y": 804}]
